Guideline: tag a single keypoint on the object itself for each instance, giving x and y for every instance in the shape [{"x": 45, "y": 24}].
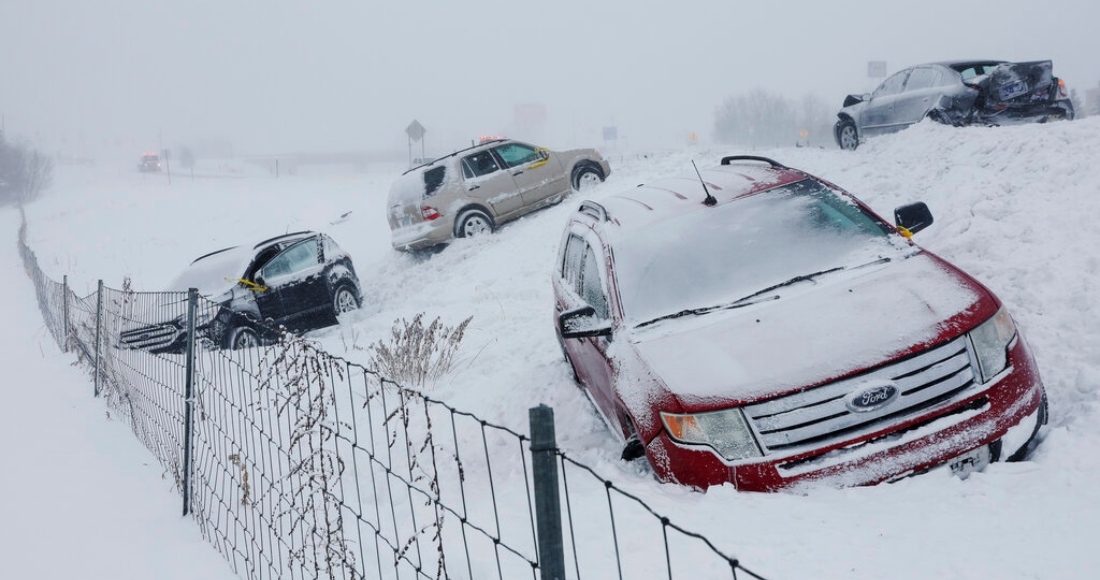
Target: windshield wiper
[{"x": 744, "y": 300}]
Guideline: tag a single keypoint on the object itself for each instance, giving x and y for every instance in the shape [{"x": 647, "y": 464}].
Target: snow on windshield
[
  {"x": 209, "y": 273},
  {"x": 717, "y": 255}
]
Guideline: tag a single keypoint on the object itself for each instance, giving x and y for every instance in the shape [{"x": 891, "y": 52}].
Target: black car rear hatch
[{"x": 1020, "y": 84}]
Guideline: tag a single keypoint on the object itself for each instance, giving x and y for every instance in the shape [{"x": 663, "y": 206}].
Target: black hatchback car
[
  {"x": 300, "y": 281},
  {"x": 964, "y": 92}
]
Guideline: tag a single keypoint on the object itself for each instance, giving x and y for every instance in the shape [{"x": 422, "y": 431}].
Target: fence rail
[{"x": 299, "y": 464}]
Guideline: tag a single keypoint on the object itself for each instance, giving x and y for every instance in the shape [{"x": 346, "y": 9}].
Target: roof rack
[
  {"x": 290, "y": 235},
  {"x": 772, "y": 162},
  {"x": 594, "y": 209},
  {"x": 489, "y": 142}
]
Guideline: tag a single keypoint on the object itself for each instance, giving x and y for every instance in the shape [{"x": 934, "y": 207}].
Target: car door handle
[
  {"x": 473, "y": 187},
  {"x": 518, "y": 173}
]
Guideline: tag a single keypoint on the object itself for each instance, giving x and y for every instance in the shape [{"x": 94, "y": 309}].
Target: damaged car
[
  {"x": 755, "y": 325},
  {"x": 959, "y": 93},
  {"x": 299, "y": 282}
]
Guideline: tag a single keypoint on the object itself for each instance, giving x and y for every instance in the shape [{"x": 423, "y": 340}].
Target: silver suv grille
[
  {"x": 149, "y": 337},
  {"x": 820, "y": 416}
]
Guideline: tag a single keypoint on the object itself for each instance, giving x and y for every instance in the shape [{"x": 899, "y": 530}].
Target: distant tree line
[
  {"x": 761, "y": 118},
  {"x": 24, "y": 172}
]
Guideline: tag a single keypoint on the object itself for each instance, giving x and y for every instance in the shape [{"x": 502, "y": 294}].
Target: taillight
[{"x": 429, "y": 213}]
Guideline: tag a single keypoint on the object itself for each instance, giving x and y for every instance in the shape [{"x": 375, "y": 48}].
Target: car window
[
  {"x": 433, "y": 180},
  {"x": 295, "y": 259},
  {"x": 591, "y": 285},
  {"x": 703, "y": 259},
  {"x": 479, "y": 164},
  {"x": 515, "y": 154},
  {"x": 571, "y": 265},
  {"x": 922, "y": 78},
  {"x": 892, "y": 85}
]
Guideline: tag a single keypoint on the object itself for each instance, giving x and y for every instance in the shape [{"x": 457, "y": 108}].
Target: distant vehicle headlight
[
  {"x": 991, "y": 341},
  {"x": 726, "y": 431}
]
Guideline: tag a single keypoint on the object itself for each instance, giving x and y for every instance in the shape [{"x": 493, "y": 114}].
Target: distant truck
[{"x": 149, "y": 162}]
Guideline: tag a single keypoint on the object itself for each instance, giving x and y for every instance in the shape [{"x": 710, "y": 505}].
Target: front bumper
[{"x": 1005, "y": 415}]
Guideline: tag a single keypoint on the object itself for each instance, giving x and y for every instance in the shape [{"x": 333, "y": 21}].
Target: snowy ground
[{"x": 1014, "y": 207}]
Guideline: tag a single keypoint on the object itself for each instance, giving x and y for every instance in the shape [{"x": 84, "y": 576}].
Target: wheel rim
[
  {"x": 345, "y": 301},
  {"x": 245, "y": 339},
  {"x": 588, "y": 179},
  {"x": 848, "y": 139},
  {"x": 474, "y": 226}
]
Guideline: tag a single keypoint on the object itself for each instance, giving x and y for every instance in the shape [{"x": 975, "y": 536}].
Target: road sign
[
  {"x": 415, "y": 130},
  {"x": 876, "y": 69}
]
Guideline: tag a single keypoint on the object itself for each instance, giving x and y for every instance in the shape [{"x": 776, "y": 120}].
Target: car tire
[
  {"x": 1024, "y": 452},
  {"x": 586, "y": 176},
  {"x": 242, "y": 337},
  {"x": 846, "y": 135},
  {"x": 473, "y": 222},
  {"x": 344, "y": 299},
  {"x": 938, "y": 116}
]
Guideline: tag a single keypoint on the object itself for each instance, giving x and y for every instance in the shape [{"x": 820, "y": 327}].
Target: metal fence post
[
  {"x": 98, "y": 327},
  {"x": 544, "y": 464},
  {"x": 65, "y": 313},
  {"x": 188, "y": 397}
]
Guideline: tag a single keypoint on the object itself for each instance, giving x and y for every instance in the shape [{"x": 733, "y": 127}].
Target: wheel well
[
  {"x": 477, "y": 207},
  {"x": 586, "y": 164}
]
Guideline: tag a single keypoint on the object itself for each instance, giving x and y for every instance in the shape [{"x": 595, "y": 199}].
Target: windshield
[
  {"x": 208, "y": 274},
  {"x": 717, "y": 255}
]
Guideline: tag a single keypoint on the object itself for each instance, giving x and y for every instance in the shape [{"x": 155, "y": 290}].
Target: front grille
[
  {"x": 821, "y": 416},
  {"x": 149, "y": 337}
]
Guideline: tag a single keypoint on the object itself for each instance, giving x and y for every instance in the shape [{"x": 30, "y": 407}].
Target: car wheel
[
  {"x": 242, "y": 337},
  {"x": 1025, "y": 451},
  {"x": 473, "y": 223},
  {"x": 344, "y": 300},
  {"x": 938, "y": 116},
  {"x": 846, "y": 135},
  {"x": 585, "y": 177}
]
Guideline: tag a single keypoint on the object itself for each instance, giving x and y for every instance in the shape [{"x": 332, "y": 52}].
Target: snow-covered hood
[{"x": 813, "y": 333}]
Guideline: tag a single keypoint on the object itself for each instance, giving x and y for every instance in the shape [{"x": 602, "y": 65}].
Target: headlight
[
  {"x": 726, "y": 431},
  {"x": 991, "y": 341},
  {"x": 204, "y": 314}
]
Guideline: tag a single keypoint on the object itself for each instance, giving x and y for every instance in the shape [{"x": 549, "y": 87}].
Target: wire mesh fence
[{"x": 299, "y": 464}]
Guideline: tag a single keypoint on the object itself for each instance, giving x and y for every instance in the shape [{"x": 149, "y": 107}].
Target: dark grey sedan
[{"x": 971, "y": 92}]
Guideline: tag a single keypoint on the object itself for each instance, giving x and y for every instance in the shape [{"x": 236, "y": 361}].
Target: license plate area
[
  {"x": 971, "y": 462},
  {"x": 1013, "y": 89}
]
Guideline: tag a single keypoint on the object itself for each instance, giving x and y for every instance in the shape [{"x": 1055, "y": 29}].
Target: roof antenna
[{"x": 710, "y": 200}]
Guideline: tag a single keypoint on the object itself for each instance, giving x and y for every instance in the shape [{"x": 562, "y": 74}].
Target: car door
[
  {"x": 296, "y": 276},
  {"x": 920, "y": 94},
  {"x": 485, "y": 179},
  {"x": 584, "y": 286},
  {"x": 877, "y": 116},
  {"x": 538, "y": 176}
]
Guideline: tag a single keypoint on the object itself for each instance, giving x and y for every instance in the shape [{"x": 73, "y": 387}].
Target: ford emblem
[{"x": 871, "y": 396}]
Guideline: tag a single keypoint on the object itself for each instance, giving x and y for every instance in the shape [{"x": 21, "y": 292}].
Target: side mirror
[
  {"x": 259, "y": 285},
  {"x": 583, "y": 322},
  {"x": 913, "y": 217},
  {"x": 853, "y": 99}
]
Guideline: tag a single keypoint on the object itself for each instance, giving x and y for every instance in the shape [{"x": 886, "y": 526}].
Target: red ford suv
[{"x": 753, "y": 324}]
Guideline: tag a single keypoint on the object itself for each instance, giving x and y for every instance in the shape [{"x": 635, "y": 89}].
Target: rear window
[{"x": 433, "y": 180}]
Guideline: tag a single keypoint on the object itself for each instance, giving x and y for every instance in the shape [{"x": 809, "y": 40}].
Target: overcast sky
[{"x": 269, "y": 76}]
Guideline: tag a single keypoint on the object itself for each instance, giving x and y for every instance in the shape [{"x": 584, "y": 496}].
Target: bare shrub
[{"x": 416, "y": 355}]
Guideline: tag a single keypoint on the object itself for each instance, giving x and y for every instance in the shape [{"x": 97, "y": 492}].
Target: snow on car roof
[{"x": 649, "y": 203}]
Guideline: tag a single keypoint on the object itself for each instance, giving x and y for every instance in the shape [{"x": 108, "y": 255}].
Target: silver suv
[{"x": 475, "y": 190}]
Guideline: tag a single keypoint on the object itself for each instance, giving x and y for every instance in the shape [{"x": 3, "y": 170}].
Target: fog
[{"x": 79, "y": 78}]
